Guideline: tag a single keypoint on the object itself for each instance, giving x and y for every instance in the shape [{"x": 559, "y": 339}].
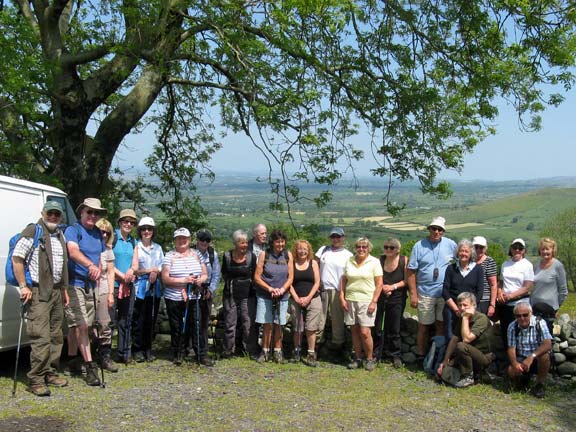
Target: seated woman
[
  {"x": 359, "y": 291},
  {"x": 305, "y": 304},
  {"x": 239, "y": 298},
  {"x": 470, "y": 348},
  {"x": 462, "y": 276}
]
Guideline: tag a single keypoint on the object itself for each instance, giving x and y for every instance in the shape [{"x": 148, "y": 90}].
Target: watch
[{"x": 533, "y": 355}]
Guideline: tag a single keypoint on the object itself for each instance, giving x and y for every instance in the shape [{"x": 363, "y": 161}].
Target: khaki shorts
[
  {"x": 430, "y": 309},
  {"x": 312, "y": 314},
  {"x": 358, "y": 314},
  {"x": 80, "y": 311}
]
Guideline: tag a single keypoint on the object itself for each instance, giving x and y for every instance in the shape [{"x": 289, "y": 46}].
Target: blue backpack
[{"x": 10, "y": 278}]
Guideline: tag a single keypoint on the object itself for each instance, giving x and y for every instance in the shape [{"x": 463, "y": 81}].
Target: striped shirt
[
  {"x": 23, "y": 248},
  {"x": 490, "y": 269},
  {"x": 180, "y": 266},
  {"x": 529, "y": 339}
]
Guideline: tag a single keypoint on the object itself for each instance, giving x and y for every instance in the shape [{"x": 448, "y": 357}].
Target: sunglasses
[
  {"x": 361, "y": 247},
  {"x": 91, "y": 212},
  {"x": 144, "y": 229},
  {"x": 104, "y": 232},
  {"x": 478, "y": 247},
  {"x": 54, "y": 213},
  {"x": 520, "y": 248},
  {"x": 389, "y": 247},
  {"x": 435, "y": 229},
  {"x": 127, "y": 221},
  {"x": 524, "y": 315}
]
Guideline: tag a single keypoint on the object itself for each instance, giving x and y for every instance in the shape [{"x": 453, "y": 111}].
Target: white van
[{"x": 22, "y": 203}]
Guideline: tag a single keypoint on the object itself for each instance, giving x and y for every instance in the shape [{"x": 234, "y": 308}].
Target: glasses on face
[
  {"x": 54, "y": 213},
  {"x": 518, "y": 247},
  {"x": 389, "y": 247},
  {"x": 128, "y": 221},
  {"x": 204, "y": 241},
  {"x": 524, "y": 315},
  {"x": 361, "y": 247},
  {"x": 436, "y": 229},
  {"x": 104, "y": 232},
  {"x": 335, "y": 236},
  {"x": 91, "y": 212},
  {"x": 478, "y": 247},
  {"x": 144, "y": 229}
]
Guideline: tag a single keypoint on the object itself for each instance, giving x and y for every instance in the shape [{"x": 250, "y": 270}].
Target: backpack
[
  {"x": 228, "y": 259},
  {"x": 132, "y": 240},
  {"x": 10, "y": 278},
  {"x": 435, "y": 355}
]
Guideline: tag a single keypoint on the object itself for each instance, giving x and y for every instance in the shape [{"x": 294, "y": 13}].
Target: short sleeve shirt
[
  {"x": 514, "y": 274},
  {"x": 360, "y": 284},
  {"x": 90, "y": 244},
  {"x": 332, "y": 263},
  {"x": 429, "y": 258}
]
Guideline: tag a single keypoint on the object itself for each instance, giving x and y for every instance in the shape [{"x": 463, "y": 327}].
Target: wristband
[{"x": 22, "y": 286}]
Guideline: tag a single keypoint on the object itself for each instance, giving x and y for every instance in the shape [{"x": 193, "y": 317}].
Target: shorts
[
  {"x": 80, "y": 311},
  {"x": 264, "y": 311},
  {"x": 312, "y": 314},
  {"x": 358, "y": 314},
  {"x": 430, "y": 309}
]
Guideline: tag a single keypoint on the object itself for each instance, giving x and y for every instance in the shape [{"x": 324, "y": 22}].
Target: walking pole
[
  {"x": 128, "y": 334},
  {"x": 152, "y": 288},
  {"x": 22, "y": 313},
  {"x": 97, "y": 327},
  {"x": 183, "y": 334},
  {"x": 275, "y": 313},
  {"x": 198, "y": 322},
  {"x": 299, "y": 329},
  {"x": 381, "y": 347}
]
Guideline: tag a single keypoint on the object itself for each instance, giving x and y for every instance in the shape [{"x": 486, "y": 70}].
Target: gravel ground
[{"x": 239, "y": 394}]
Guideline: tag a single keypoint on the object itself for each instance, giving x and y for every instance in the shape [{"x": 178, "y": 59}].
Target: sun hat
[
  {"x": 480, "y": 241},
  {"x": 146, "y": 221},
  {"x": 127, "y": 214},
  {"x": 182, "y": 232},
  {"x": 93, "y": 203},
  {"x": 439, "y": 222}
]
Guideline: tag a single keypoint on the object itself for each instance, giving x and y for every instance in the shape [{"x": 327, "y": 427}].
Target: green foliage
[{"x": 562, "y": 228}]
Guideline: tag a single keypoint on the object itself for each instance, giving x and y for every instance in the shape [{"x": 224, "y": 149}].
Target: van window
[{"x": 68, "y": 217}]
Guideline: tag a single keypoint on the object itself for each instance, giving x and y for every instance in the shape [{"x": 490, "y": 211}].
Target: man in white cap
[
  {"x": 426, "y": 267},
  {"x": 332, "y": 260},
  {"x": 85, "y": 246}
]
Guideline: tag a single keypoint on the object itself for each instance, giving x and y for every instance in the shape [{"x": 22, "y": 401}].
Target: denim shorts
[{"x": 264, "y": 311}]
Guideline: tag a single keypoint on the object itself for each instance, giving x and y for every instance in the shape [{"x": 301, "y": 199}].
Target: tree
[
  {"x": 562, "y": 228},
  {"x": 298, "y": 77}
]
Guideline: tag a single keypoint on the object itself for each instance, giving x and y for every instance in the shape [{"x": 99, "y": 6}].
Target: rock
[
  {"x": 563, "y": 345},
  {"x": 559, "y": 358},
  {"x": 556, "y": 347},
  {"x": 409, "y": 358},
  {"x": 570, "y": 352},
  {"x": 572, "y": 341},
  {"x": 410, "y": 325},
  {"x": 414, "y": 349},
  {"x": 557, "y": 339},
  {"x": 410, "y": 340},
  {"x": 567, "y": 368},
  {"x": 563, "y": 319},
  {"x": 405, "y": 348},
  {"x": 404, "y": 334},
  {"x": 566, "y": 331}
]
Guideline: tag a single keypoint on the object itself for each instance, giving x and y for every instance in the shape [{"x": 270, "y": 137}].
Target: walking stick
[
  {"x": 275, "y": 312},
  {"x": 97, "y": 327},
  {"x": 152, "y": 287},
  {"x": 184, "y": 333},
  {"x": 128, "y": 334},
  {"x": 198, "y": 322},
  {"x": 22, "y": 313}
]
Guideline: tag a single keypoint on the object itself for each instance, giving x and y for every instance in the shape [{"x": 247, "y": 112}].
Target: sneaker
[
  {"x": 139, "y": 357},
  {"x": 370, "y": 365},
  {"x": 465, "y": 381},
  {"x": 310, "y": 360},
  {"x": 278, "y": 357},
  {"x": 263, "y": 357},
  {"x": 40, "y": 390},
  {"x": 55, "y": 380},
  {"x": 109, "y": 365},
  {"x": 538, "y": 391},
  {"x": 92, "y": 374},
  {"x": 206, "y": 361},
  {"x": 397, "y": 362},
  {"x": 355, "y": 364},
  {"x": 75, "y": 367}
]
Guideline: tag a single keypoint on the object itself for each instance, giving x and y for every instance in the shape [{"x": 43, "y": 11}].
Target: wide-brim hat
[
  {"x": 127, "y": 214},
  {"x": 93, "y": 203},
  {"x": 438, "y": 221}
]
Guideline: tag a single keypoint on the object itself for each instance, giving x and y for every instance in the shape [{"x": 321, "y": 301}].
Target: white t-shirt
[
  {"x": 513, "y": 275},
  {"x": 332, "y": 263}
]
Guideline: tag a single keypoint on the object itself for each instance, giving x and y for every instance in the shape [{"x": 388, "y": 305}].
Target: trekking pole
[
  {"x": 128, "y": 333},
  {"x": 184, "y": 333},
  {"x": 152, "y": 287},
  {"x": 275, "y": 313},
  {"x": 97, "y": 327},
  {"x": 299, "y": 329},
  {"x": 22, "y": 313},
  {"x": 198, "y": 322}
]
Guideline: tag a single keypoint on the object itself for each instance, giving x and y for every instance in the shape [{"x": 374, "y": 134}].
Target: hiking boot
[
  {"x": 538, "y": 391},
  {"x": 397, "y": 362},
  {"x": 55, "y": 380},
  {"x": 354, "y": 364},
  {"x": 278, "y": 357},
  {"x": 109, "y": 365},
  {"x": 263, "y": 357},
  {"x": 149, "y": 356},
  {"x": 310, "y": 360},
  {"x": 295, "y": 357},
  {"x": 177, "y": 358},
  {"x": 40, "y": 390},
  {"x": 139, "y": 357},
  {"x": 75, "y": 367},
  {"x": 92, "y": 374},
  {"x": 206, "y": 361},
  {"x": 465, "y": 381},
  {"x": 370, "y": 365}
]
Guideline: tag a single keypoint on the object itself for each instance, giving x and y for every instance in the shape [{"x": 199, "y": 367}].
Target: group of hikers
[{"x": 96, "y": 275}]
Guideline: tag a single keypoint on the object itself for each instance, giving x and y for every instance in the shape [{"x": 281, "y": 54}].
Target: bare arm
[
  {"x": 411, "y": 281},
  {"x": 19, "y": 274},
  {"x": 78, "y": 257}
]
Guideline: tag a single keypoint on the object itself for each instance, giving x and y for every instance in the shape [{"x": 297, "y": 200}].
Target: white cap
[
  {"x": 146, "y": 221},
  {"x": 438, "y": 221},
  {"x": 480, "y": 241},
  {"x": 182, "y": 232},
  {"x": 518, "y": 240}
]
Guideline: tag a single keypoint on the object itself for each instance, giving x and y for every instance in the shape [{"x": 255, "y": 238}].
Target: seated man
[
  {"x": 529, "y": 345},
  {"x": 470, "y": 346}
]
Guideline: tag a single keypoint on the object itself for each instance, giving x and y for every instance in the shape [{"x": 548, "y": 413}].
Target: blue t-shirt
[
  {"x": 124, "y": 252},
  {"x": 427, "y": 256},
  {"x": 90, "y": 244}
]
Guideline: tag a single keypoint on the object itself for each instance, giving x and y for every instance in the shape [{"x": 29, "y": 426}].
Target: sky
[{"x": 511, "y": 154}]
